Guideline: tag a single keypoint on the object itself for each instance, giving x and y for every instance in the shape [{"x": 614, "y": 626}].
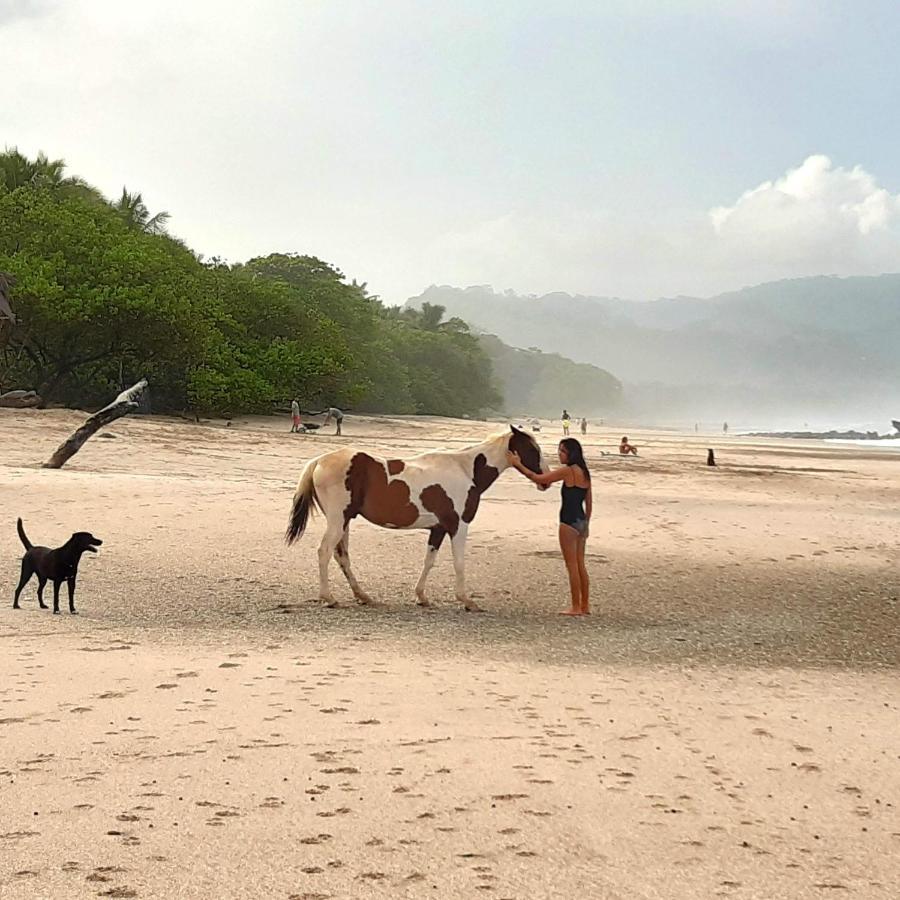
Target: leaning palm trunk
[{"x": 125, "y": 403}]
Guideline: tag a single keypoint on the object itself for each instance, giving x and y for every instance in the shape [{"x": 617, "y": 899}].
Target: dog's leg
[
  {"x": 70, "y": 583},
  {"x": 41, "y": 582},
  {"x": 342, "y": 555},
  {"x": 56, "y": 585},
  {"x": 27, "y": 572},
  {"x": 435, "y": 539}
]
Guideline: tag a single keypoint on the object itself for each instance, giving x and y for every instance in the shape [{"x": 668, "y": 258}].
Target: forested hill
[
  {"x": 534, "y": 383},
  {"x": 103, "y": 296},
  {"x": 822, "y": 346}
]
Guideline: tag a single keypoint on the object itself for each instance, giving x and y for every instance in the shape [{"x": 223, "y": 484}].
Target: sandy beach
[{"x": 724, "y": 725}]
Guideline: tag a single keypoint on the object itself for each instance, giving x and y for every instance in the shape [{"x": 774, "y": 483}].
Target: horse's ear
[{"x": 514, "y": 430}]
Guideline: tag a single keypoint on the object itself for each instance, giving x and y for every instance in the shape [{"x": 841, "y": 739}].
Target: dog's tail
[
  {"x": 304, "y": 500},
  {"x": 22, "y": 536}
]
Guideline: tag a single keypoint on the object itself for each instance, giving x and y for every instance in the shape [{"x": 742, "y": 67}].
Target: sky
[{"x": 633, "y": 148}]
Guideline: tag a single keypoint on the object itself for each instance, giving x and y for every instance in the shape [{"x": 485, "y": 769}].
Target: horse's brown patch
[
  {"x": 437, "y": 501},
  {"x": 436, "y": 537},
  {"x": 472, "y": 500},
  {"x": 395, "y": 466},
  {"x": 527, "y": 450},
  {"x": 483, "y": 475},
  {"x": 374, "y": 497}
]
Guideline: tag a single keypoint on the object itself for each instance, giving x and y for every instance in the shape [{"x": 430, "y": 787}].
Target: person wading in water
[{"x": 574, "y": 516}]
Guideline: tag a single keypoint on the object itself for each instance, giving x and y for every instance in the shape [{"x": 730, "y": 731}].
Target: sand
[{"x": 725, "y": 725}]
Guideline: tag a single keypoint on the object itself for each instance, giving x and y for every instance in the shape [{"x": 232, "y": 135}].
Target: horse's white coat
[{"x": 452, "y": 470}]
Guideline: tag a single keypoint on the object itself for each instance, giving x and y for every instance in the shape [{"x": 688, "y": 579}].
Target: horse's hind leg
[
  {"x": 435, "y": 539},
  {"x": 342, "y": 555},
  {"x": 333, "y": 534}
]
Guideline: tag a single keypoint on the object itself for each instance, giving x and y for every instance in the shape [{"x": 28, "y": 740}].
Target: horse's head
[{"x": 529, "y": 451}]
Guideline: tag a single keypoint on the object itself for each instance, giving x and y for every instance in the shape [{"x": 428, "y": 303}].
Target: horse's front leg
[
  {"x": 459, "y": 565},
  {"x": 435, "y": 539}
]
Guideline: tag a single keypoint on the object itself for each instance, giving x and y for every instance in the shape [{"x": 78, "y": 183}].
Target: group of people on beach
[
  {"x": 331, "y": 413},
  {"x": 567, "y": 423}
]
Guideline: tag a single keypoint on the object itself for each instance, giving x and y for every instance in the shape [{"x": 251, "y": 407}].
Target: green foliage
[
  {"x": 133, "y": 211},
  {"x": 103, "y": 297}
]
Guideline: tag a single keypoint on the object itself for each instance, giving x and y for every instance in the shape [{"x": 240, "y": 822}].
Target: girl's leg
[
  {"x": 584, "y": 580},
  {"x": 568, "y": 542}
]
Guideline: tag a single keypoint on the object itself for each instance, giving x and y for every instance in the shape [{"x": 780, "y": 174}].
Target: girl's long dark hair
[{"x": 575, "y": 455}]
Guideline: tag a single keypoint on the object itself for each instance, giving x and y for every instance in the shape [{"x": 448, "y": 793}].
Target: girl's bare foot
[{"x": 571, "y": 612}]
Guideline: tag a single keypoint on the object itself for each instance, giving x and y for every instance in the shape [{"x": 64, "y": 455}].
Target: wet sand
[{"x": 724, "y": 725}]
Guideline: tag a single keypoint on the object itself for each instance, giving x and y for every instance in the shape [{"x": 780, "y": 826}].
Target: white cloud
[{"x": 815, "y": 219}]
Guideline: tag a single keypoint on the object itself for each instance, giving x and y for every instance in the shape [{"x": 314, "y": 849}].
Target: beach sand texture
[{"x": 726, "y": 724}]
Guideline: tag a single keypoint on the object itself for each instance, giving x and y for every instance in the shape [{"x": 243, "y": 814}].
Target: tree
[
  {"x": 104, "y": 297},
  {"x": 17, "y": 170},
  {"x": 134, "y": 212}
]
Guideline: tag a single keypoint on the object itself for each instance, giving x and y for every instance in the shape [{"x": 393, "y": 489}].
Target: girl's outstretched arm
[{"x": 543, "y": 478}]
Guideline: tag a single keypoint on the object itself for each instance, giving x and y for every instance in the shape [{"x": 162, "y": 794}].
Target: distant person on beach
[
  {"x": 535, "y": 425},
  {"x": 625, "y": 447},
  {"x": 566, "y": 421},
  {"x": 724, "y": 428},
  {"x": 584, "y": 426},
  {"x": 334, "y": 413},
  {"x": 295, "y": 416},
  {"x": 574, "y": 516}
]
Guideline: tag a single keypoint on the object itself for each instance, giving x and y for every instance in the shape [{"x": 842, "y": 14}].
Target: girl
[{"x": 574, "y": 516}]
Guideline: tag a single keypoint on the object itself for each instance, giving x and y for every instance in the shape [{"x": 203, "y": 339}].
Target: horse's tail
[
  {"x": 304, "y": 499},
  {"x": 22, "y": 536}
]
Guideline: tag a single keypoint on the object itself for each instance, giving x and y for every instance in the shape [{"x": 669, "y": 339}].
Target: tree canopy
[{"x": 103, "y": 296}]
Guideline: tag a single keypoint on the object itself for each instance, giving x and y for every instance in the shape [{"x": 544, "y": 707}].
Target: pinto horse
[{"x": 438, "y": 491}]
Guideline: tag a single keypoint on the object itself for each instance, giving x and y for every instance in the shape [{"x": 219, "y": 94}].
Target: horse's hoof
[
  {"x": 471, "y": 606},
  {"x": 365, "y": 600}
]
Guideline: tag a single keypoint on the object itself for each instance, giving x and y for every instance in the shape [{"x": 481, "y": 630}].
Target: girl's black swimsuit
[{"x": 572, "y": 512}]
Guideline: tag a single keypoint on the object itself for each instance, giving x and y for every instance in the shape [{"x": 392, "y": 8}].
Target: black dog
[{"x": 54, "y": 565}]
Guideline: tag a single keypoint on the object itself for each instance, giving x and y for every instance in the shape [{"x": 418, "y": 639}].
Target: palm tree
[
  {"x": 134, "y": 212},
  {"x": 17, "y": 170},
  {"x": 430, "y": 317}
]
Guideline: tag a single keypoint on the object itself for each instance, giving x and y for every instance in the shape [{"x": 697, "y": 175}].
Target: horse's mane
[{"x": 496, "y": 437}]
